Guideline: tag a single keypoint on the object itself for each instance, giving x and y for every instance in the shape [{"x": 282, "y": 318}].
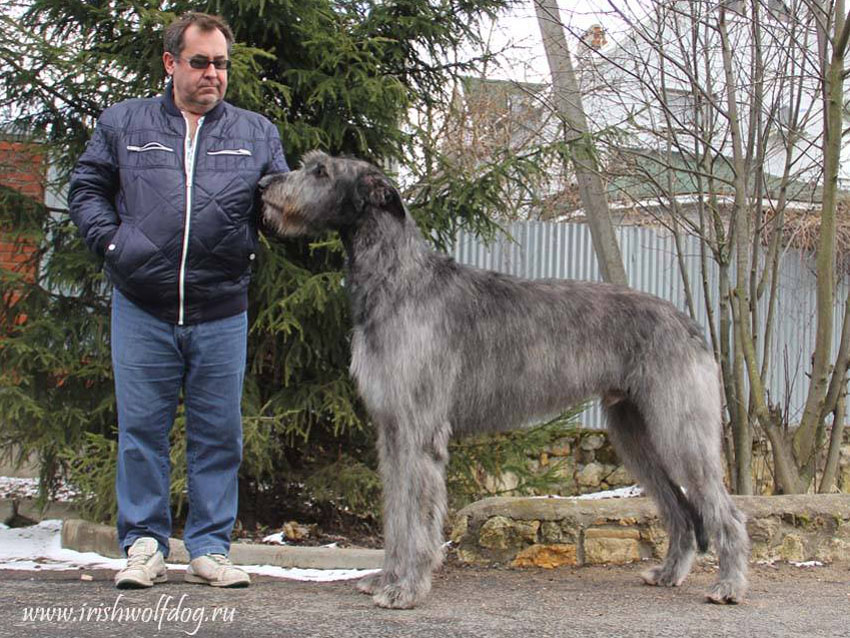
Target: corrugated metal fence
[{"x": 544, "y": 249}]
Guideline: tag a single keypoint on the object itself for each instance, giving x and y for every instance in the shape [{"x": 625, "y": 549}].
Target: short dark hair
[{"x": 173, "y": 38}]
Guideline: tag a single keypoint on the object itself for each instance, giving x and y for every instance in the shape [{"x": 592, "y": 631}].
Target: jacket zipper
[{"x": 189, "y": 155}]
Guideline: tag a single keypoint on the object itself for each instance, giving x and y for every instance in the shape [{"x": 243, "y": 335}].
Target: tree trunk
[
  {"x": 740, "y": 295},
  {"x": 583, "y": 154},
  {"x": 806, "y": 436}
]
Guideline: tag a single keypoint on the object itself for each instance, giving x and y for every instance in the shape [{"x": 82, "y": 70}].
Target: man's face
[{"x": 198, "y": 90}]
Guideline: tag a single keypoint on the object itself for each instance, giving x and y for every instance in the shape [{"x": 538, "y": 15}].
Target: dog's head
[{"x": 327, "y": 193}]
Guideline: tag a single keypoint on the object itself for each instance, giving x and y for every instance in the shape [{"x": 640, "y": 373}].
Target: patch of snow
[
  {"x": 623, "y": 492},
  {"x": 631, "y": 491},
  {"x": 312, "y": 575},
  {"x": 808, "y": 563},
  {"x": 18, "y": 488},
  {"x": 39, "y": 548}
]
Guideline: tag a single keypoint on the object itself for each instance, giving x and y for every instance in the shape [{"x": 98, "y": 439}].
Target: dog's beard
[{"x": 284, "y": 221}]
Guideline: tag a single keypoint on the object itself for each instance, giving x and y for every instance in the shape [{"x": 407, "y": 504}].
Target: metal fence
[{"x": 544, "y": 249}]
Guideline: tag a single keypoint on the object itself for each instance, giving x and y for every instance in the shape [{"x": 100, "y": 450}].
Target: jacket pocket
[
  {"x": 150, "y": 146},
  {"x": 129, "y": 252},
  {"x": 238, "y": 152},
  {"x": 149, "y": 155}
]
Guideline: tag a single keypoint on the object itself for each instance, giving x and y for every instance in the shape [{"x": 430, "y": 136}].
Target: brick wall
[{"x": 21, "y": 168}]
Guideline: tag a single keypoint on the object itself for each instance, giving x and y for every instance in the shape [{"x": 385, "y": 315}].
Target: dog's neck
[
  {"x": 383, "y": 254},
  {"x": 378, "y": 238}
]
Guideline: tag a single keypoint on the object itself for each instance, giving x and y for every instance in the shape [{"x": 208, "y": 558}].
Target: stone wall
[
  {"x": 587, "y": 463},
  {"x": 550, "y": 532}
]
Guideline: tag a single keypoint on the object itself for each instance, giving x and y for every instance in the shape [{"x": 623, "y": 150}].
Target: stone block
[
  {"x": 592, "y": 442},
  {"x": 762, "y": 529},
  {"x": 792, "y": 548},
  {"x": 502, "y": 533},
  {"x": 837, "y": 549},
  {"x": 612, "y": 532},
  {"x": 607, "y": 455},
  {"x": 470, "y": 556},
  {"x": 505, "y": 482},
  {"x": 611, "y": 545},
  {"x": 655, "y": 536},
  {"x": 459, "y": 529},
  {"x": 619, "y": 478},
  {"x": 590, "y": 475},
  {"x": 561, "y": 447},
  {"x": 760, "y": 552},
  {"x": 547, "y": 556},
  {"x": 556, "y": 532}
]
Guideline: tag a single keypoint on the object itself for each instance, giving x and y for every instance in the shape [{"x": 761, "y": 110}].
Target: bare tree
[
  {"x": 568, "y": 104},
  {"x": 730, "y": 117},
  {"x": 827, "y": 381}
]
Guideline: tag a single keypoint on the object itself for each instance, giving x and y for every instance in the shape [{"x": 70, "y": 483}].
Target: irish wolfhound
[{"x": 440, "y": 349}]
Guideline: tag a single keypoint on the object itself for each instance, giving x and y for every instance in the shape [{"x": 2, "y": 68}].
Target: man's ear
[
  {"x": 376, "y": 190},
  {"x": 168, "y": 62}
]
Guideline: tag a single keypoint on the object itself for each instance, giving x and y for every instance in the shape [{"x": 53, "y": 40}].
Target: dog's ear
[{"x": 376, "y": 190}]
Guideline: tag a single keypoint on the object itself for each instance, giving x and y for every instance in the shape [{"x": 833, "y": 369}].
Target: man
[{"x": 165, "y": 193}]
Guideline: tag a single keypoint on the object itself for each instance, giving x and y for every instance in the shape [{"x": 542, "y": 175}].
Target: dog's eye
[{"x": 320, "y": 170}]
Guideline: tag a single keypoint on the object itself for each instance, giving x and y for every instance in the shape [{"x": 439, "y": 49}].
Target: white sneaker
[
  {"x": 216, "y": 570},
  {"x": 145, "y": 565}
]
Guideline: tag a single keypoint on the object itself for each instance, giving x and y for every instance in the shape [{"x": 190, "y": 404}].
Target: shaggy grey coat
[{"x": 440, "y": 349}]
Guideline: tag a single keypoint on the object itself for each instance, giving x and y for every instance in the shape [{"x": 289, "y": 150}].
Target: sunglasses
[{"x": 200, "y": 62}]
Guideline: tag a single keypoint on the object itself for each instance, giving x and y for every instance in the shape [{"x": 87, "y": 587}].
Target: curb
[
  {"x": 26, "y": 507},
  {"x": 84, "y": 536}
]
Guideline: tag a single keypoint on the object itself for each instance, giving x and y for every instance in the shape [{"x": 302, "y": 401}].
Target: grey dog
[{"x": 440, "y": 349}]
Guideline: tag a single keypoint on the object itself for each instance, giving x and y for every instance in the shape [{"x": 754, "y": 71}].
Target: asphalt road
[{"x": 465, "y": 602}]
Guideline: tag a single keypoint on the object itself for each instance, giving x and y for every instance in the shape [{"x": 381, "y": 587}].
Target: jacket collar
[{"x": 172, "y": 109}]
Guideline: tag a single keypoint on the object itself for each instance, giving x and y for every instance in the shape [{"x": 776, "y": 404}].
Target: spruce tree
[{"x": 341, "y": 76}]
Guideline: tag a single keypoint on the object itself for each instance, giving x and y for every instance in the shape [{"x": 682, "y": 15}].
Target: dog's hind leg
[
  {"x": 702, "y": 475},
  {"x": 686, "y": 429},
  {"x": 697, "y": 451},
  {"x": 412, "y": 463},
  {"x": 628, "y": 433},
  {"x": 726, "y": 523}
]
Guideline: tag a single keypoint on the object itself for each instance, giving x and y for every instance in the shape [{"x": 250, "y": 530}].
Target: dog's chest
[
  {"x": 387, "y": 352},
  {"x": 370, "y": 371}
]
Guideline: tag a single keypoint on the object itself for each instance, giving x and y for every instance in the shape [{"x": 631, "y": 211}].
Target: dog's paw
[
  {"x": 371, "y": 584},
  {"x": 726, "y": 592},
  {"x": 661, "y": 577},
  {"x": 398, "y": 596}
]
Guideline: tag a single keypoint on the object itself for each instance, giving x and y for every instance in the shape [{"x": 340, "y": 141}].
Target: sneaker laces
[
  {"x": 138, "y": 559},
  {"x": 221, "y": 560}
]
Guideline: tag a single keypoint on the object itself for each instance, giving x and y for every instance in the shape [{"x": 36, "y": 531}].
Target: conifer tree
[{"x": 337, "y": 75}]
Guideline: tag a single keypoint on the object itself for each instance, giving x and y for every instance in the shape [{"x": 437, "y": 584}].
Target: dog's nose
[{"x": 268, "y": 180}]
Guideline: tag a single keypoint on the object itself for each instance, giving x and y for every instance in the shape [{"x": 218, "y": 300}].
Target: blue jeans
[{"x": 152, "y": 361}]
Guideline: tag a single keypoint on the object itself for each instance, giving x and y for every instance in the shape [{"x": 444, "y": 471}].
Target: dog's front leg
[{"x": 412, "y": 458}]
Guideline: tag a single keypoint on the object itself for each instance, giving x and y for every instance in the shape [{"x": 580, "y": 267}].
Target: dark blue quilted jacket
[{"x": 176, "y": 225}]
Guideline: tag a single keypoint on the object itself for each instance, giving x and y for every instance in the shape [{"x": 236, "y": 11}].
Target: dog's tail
[
  {"x": 697, "y": 523},
  {"x": 628, "y": 430}
]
